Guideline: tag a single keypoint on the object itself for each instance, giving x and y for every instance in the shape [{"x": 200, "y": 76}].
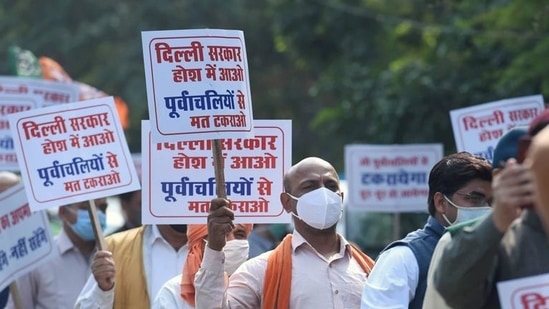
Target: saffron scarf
[
  {"x": 196, "y": 234},
  {"x": 278, "y": 275}
]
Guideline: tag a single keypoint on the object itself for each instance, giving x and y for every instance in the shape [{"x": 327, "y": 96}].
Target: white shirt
[
  {"x": 161, "y": 263},
  {"x": 433, "y": 300},
  {"x": 317, "y": 282},
  {"x": 393, "y": 280},
  {"x": 169, "y": 296}
]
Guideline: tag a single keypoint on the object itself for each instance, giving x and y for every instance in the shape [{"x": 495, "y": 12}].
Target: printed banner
[
  {"x": 389, "y": 178},
  {"x": 179, "y": 181},
  {"x": 25, "y": 238},
  {"x": 525, "y": 293},
  {"x": 53, "y": 92},
  {"x": 197, "y": 84},
  {"x": 72, "y": 153},
  {"x": 11, "y": 104},
  {"x": 477, "y": 129}
]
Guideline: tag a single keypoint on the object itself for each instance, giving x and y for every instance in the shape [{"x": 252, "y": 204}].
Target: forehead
[
  {"x": 100, "y": 203},
  {"x": 477, "y": 185},
  {"x": 313, "y": 171}
]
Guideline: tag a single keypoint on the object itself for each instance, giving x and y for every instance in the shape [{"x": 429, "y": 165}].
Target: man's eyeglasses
[{"x": 475, "y": 199}]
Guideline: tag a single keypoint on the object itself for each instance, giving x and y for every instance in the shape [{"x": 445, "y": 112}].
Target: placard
[
  {"x": 179, "y": 182},
  {"x": 72, "y": 152},
  {"x": 389, "y": 178},
  {"x": 477, "y": 129},
  {"x": 25, "y": 238},
  {"x": 197, "y": 84}
]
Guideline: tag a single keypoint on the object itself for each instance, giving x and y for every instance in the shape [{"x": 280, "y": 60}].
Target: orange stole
[
  {"x": 196, "y": 233},
  {"x": 278, "y": 275}
]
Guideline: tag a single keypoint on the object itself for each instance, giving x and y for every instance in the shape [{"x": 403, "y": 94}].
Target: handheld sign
[
  {"x": 389, "y": 178},
  {"x": 198, "y": 87},
  {"x": 25, "y": 238},
  {"x": 528, "y": 292},
  {"x": 478, "y": 128},
  {"x": 197, "y": 83},
  {"x": 11, "y": 104},
  {"x": 73, "y": 152},
  {"x": 178, "y": 181},
  {"x": 53, "y": 93}
]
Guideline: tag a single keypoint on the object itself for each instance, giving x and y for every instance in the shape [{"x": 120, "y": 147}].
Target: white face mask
[
  {"x": 320, "y": 209},
  {"x": 466, "y": 213},
  {"x": 236, "y": 253}
]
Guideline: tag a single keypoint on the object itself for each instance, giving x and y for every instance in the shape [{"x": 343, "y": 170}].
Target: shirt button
[{"x": 336, "y": 292}]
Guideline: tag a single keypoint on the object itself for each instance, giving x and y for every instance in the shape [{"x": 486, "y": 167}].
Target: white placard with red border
[
  {"x": 477, "y": 129},
  {"x": 525, "y": 293},
  {"x": 53, "y": 92},
  {"x": 179, "y": 182},
  {"x": 72, "y": 152},
  {"x": 389, "y": 178},
  {"x": 26, "y": 241},
  {"x": 197, "y": 84},
  {"x": 11, "y": 104}
]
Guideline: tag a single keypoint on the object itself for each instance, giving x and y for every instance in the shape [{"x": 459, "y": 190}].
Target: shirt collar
[
  {"x": 298, "y": 240},
  {"x": 435, "y": 226},
  {"x": 64, "y": 243},
  {"x": 154, "y": 234}
]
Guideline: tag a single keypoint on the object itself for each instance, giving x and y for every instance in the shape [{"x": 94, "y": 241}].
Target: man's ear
[
  {"x": 286, "y": 200},
  {"x": 440, "y": 205}
]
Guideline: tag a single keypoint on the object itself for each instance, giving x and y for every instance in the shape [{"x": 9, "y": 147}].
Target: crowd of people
[{"x": 483, "y": 228}]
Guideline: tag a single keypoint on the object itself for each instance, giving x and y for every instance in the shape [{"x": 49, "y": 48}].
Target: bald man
[{"x": 314, "y": 267}]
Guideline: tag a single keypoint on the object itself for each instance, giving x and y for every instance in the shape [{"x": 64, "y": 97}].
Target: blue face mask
[{"x": 83, "y": 226}]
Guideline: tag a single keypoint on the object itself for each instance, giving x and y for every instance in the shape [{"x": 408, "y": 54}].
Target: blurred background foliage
[{"x": 345, "y": 71}]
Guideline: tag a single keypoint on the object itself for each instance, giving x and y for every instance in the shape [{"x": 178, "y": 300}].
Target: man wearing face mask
[
  {"x": 509, "y": 244},
  {"x": 136, "y": 265},
  {"x": 314, "y": 267},
  {"x": 506, "y": 149},
  {"x": 459, "y": 190},
  {"x": 179, "y": 292},
  {"x": 57, "y": 283}
]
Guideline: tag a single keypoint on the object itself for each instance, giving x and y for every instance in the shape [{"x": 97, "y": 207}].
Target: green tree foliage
[
  {"x": 390, "y": 71},
  {"x": 99, "y": 43}
]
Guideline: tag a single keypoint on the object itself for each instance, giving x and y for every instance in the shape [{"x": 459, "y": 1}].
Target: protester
[
  {"x": 497, "y": 248},
  {"x": 136, "y": 265},
  {"x": 459, "y": 187},
  {"x": 265, "y": 237},
  {"x": 178, "y": 292},
  {"x": 506, "y": 148},
  {"x": 538, "y": 153},
  {"x": 130, "y": 203},
  {"x": 57, "y": 283},
  {"x": 313, "y": 268},
  {"x": 7, "y": 180}
]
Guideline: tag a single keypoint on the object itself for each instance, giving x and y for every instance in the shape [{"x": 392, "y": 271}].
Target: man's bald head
[
  {"x": 304, "y": 166},
  {"x": 8, "y": 180}
]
